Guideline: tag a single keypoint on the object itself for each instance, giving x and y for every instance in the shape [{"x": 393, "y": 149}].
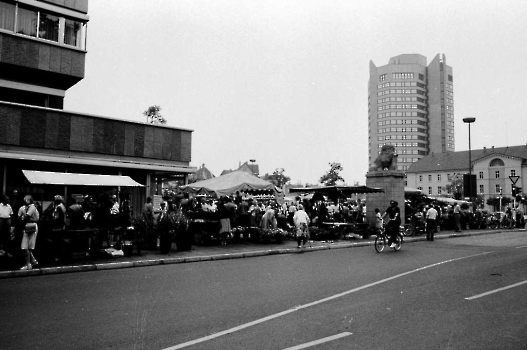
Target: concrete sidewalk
[{"x": 199, "y": 253}]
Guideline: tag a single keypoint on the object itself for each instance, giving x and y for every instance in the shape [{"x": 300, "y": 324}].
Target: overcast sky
[{"x": 286, "y": 82}]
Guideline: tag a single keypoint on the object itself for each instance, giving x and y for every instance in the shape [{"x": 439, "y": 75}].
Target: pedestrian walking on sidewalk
[
  {"x": 301, "y": 221},
  {"x": 28, "y": 214}
]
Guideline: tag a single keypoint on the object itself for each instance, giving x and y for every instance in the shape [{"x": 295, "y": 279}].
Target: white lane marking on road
[
  {"x": 300, "y": 307},
  {"x": 319, "y": 341},
  {"x": 522, "y": 246},
  {"x": 495, "y": 290}
]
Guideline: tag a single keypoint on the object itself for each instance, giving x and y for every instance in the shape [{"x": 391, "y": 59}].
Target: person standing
[
  {"x": 431, "y": 223},
  {"x": 5, "y": 224},
  {"x": 360, "y": 211},
  {"x": 301, "y": 221},
  {"x": 392, "y": 227},
  {"x": 29, "y": 215},
  {"x": 244, "y": 218},
  {"x": 457, "y": 216},
  {"x": 224, "y": 214},
  {"x": 322, "y": 214}
]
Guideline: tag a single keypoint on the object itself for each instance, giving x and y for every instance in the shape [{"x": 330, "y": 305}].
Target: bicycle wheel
[
  {"x": 398, "y": 243},
  {"x": 493, "y": 225},
  {"x": 409, "y": 230},
  {"x": 380, "y": 243}
]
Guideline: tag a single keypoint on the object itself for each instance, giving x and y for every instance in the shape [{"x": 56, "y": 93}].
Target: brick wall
[
  {"x": 31, "y": 61},
  {"x": 48, "y": 129}
]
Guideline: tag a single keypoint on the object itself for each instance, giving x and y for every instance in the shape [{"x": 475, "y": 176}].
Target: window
[
  {"x": 497, "y": 174},
  {"x": 7, "y": 16},
  {"x": 402, "y": 75},
  {"x": 498, "y": 189},
  {"x": 48, "y": 27},
  {"x": 429, "y": 178},
  {"x": 439, "y": 190},
  {"x": 382, "y": 77},
  {"x": 438, "y": 177},
  {"x": 429, "y": 190},
  {"x": 420, "y": 178},
  {"x": 27, "y": 22},
  {"x": 497, "y": 162},
  {"x": 481, "y": 189},
  {"x": 513, "y": 172},
  {"x": 421, "y": 77},
  {"x": 481, "y": 174},
  {"x": 42, "y": 25},
  {"x": 420, "y": 188},
  {"x": 73, "y": 32}
]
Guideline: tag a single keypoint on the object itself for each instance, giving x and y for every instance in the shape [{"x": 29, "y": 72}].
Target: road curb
[{"x": 225, "y": 256}]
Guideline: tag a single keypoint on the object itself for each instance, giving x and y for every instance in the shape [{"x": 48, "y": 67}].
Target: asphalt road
[{"x": 429, "y": 295}]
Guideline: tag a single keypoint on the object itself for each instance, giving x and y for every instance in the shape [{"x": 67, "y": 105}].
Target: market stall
[
  {"x": 231, "y": 183},
  {"x": 73, "y": 238}
]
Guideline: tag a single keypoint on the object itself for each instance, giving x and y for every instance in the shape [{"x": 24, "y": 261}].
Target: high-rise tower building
[{"x": 411, "y": 106}]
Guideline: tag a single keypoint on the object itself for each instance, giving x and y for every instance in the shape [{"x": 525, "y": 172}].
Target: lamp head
[{"x": 469, "y": 120}]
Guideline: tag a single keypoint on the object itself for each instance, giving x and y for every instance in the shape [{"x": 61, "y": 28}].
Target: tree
[
  {"x": 333, "y": 175},
  {"x": 495, "y": 202},
  {"x": 455, "y": 187},
  {"x": 277, "y": 178},
  {"x": 153, "y": 116}
]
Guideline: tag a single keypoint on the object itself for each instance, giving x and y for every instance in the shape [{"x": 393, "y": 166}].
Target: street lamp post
[{"x": 469, "y": 121}]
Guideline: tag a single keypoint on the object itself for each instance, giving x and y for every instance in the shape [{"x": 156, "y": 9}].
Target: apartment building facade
[{"x": 411, "y": 106}]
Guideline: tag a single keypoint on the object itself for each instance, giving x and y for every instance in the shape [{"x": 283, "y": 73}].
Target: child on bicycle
[{"x": 378, "y": 220}]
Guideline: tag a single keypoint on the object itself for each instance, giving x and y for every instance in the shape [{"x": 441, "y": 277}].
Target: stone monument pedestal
[{"x": 392, "y": 182}]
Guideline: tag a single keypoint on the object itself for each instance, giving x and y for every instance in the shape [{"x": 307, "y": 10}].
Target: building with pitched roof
[
  {"x": 492, "y": 167},
  {"x": 252, "y": 169},
  {"x": 201, "y": 174}
]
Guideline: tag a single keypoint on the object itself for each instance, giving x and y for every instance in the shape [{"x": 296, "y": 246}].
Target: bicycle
[
  {"x": 507, "y": 222},
  {"x": 414, "y": 229},
  {"x": 381, "y": 241}
]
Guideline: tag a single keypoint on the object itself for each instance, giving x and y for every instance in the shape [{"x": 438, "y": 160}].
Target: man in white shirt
[
  {"x": 301, "y": 220},
  {"x": 431, "y": 223},
  {"x": 5, "y": 223}
]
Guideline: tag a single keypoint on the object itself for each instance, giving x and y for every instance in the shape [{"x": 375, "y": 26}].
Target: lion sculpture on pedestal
[{"x": 387, "y": 159}]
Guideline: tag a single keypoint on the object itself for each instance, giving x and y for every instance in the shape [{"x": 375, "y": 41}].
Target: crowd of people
[
  {"x": 268, "y": 214},
  {"x": 456, "y": 216},
  {"x": 22, "y": 219}
]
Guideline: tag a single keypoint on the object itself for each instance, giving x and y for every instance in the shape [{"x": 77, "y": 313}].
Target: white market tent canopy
[
  {"x": 237, "y": 181},
  {"x": 411, "y": 190},
  {"x": 52, "y": 178},
  {"x": 449, "y": 201}
]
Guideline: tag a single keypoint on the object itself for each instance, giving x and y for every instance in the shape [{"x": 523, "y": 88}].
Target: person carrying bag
[{"x": 29, "y": 216}]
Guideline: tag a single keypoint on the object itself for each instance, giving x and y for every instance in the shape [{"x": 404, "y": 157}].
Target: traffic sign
[{"x": 514, "y": 179}]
